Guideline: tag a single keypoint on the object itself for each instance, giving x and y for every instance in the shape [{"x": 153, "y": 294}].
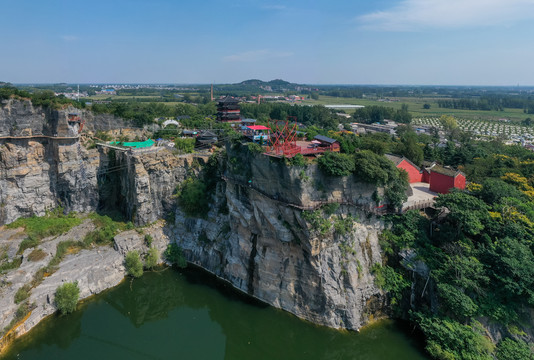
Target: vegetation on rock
[
  {"x": 336, "y": 164},
  {"x": 133, "y": 264},
  {"x": 193, "y": 197},
  {"x": 67, "y": 297},
  {"x": 152, "y": 258},
  {"x": 175, "y": 256},
  {"x": 52, "y": 224},
  {"x": 185, "y": 145}
]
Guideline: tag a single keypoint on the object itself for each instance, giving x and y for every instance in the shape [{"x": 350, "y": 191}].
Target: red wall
[
  {"x": 441, "y": 183},
  {"x": 425, "y": 177},
  {"x": 413, "y": 174},
  {"x": 459, "y": 182}
]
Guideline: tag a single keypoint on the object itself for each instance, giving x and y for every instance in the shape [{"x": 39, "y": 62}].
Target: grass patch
[
  {"x": 28, "y": 243},
  {"x": 36, "y": 255},
  {"x": 10, "y": 265},
  {"x": 23, "y": 293},
  {"x": 107, "y": 228},
  {"x": 64, "y": 248},
  {"x": 52, "y": 224}
]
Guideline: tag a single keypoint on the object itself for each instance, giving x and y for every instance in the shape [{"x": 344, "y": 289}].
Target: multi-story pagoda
[{"x": 228, "y": 110}]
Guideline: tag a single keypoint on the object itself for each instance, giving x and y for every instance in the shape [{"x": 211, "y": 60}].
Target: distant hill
[
  {"x": 253, "y": 82},
  {"x": 280, "y": 82},
  {"x": 275, "y": 82}
]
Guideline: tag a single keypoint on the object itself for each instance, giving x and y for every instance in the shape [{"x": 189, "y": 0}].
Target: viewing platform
[{"x": 422, "y": 197}]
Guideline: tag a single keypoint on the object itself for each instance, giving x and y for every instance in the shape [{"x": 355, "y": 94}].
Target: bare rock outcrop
[
  {"x": 36, "y": 176},
  {"x": 267, "y": 247}
]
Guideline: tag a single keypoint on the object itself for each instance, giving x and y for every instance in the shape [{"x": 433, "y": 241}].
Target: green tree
[
  {"x": 395, "y": 191},
  {"x": 410, "y": 148},
  {"x": 193, "y": 197},
  {"x": 467, "y": 213},
  {"x": 175, "y": 256},
  {"x": 336, "y": 164},
  {"x": 374, "y": 168},
  {"x": 509, "y": 349},
  {"x": 67, "y": 297},
  {"x": 185, "y": 145},
  {"x": 133, "y": 264},
  {"x": 448, "y": 122},
  {"x": 448, "y": 339},
  {"x": 152, "y": 258}
]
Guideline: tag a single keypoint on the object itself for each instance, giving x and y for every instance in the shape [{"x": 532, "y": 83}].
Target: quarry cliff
[{"x": 288, "y": 235}]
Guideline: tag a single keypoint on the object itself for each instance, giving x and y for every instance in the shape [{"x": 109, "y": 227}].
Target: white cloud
[
  {"x": 256, "y": 55},
  {"x": 412, "y": 15},
  {"x": 69, "y": 38}
]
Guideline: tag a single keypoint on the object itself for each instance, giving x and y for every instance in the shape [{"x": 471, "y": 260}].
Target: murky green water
[{"x": 173, "y": 315}]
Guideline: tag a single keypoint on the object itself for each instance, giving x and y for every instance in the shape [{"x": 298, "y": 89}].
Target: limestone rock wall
[
  {"x": 19, "y": 118},
  {"x": 269, "y": 250},
  {"x": 149, "y": 182},
  {"x": 40, "y": 175}
]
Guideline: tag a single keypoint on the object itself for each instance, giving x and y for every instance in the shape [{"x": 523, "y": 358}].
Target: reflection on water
[{"x": 190, "y": 315}]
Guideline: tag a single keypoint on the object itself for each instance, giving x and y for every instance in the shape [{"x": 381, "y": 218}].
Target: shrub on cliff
[
  {"x": 193, "y": 197},
  {"x": 174, "y": 255},
  {"x": 152, "y": 258},
  {"x": 336, "y": 164},
  {"x": 106, "y": 229},
  {"x": 67, "y": 297},
  {"x": 133, "y": 264},
  {"x": 373, "y": 168},
  {"x": 185, "y": 145},
  {"x": 509, "y": 349},
  {"x": 395, "y": 190},
  {"x": 297, "y": 160}
]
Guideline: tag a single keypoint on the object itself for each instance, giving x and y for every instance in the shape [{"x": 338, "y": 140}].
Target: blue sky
[{"x": 434, "y": 42}]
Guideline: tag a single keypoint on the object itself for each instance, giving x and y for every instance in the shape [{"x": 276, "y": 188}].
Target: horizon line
[{"x": 306, "y": 84}]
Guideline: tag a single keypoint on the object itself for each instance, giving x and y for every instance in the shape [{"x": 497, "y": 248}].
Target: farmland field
[
  {"x": 415, "y": 106},
  {"x": 482, "y": 127}
]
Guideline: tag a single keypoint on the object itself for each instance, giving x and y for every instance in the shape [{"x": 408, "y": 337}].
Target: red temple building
[
  {"x": 414, "y": 172},
  {"x": 441, "y": 179}
]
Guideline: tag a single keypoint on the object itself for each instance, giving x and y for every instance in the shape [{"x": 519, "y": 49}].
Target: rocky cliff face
[
  {"x": 21, "y": 118},
  {"x": 150, "y": 179},
  {"x": 313, "y": 264},
  {"x": 40, "y": 175},
  {"x": 42, "y": 172}
]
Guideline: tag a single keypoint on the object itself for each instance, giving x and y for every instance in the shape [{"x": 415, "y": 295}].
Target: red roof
[{"x": 258, "y": 127}]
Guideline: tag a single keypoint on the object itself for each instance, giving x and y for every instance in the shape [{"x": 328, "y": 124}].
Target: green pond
[{"x": 190, "y": 315}]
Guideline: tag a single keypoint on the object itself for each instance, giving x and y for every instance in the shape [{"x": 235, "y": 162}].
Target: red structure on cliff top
[{"x": 284, "y": 141}]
